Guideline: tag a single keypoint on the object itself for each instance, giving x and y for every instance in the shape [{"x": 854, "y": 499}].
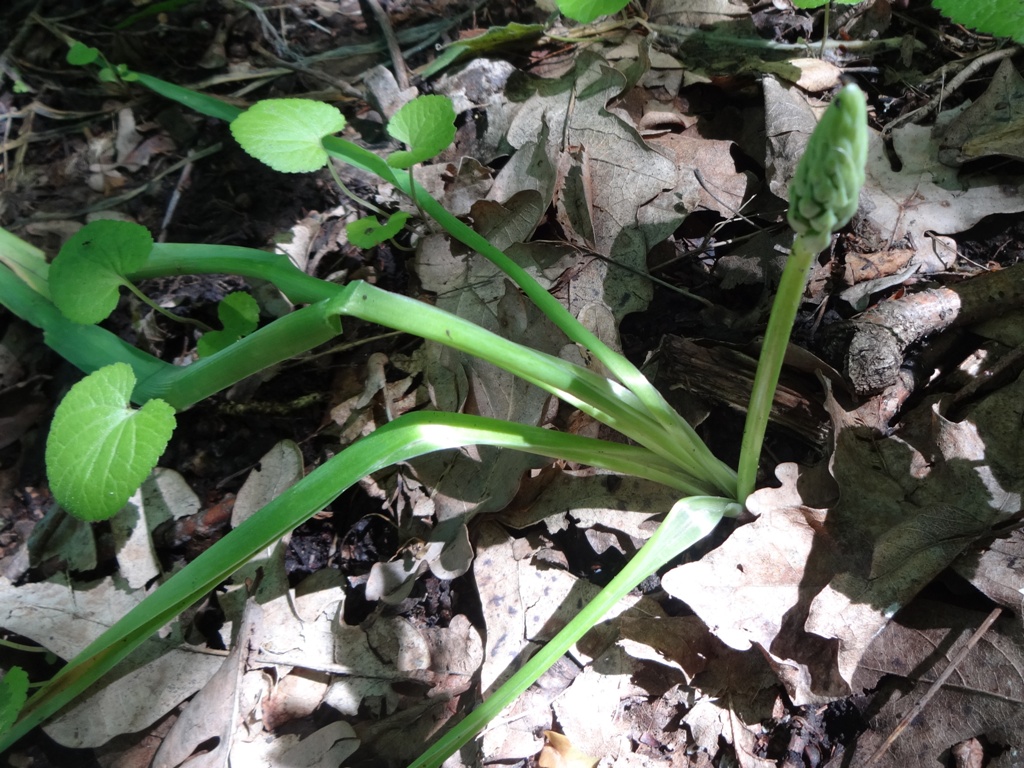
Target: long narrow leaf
[
  {"x": 689, "y": 521},
  {"x": 403, "y": 439},
  {"x": 689, "y": 448}
]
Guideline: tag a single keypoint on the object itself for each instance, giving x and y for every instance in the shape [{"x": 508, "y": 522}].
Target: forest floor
[{"x": 885, "y": 531}]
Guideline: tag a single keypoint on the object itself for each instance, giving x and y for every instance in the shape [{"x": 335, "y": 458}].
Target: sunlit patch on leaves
[
  {"x": 13, "y": 694},
  {"x": 90, "y": 268},
  {"x": 239, "y": 314},
  {"x": 427, "y": 125},
  {"x": 586, "y": 11},
  {"x": 287, "y": 134},
  {"x": 368, "y": 231},
  {"x": 100, "y": 449}
]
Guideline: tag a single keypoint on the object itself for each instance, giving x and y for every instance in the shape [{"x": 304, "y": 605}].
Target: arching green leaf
[
  {"x": 287, "y": 134},
  {"x": 100, "y": 449},
  {"x": 90, "y": 268},
  {"x": 427, "y": 125}
]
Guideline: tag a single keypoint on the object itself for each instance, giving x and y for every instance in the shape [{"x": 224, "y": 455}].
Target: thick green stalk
[
  {"x": 403, "y": 439},
  {"x": 689, "y": 521},
  {"x": 769, "y": 365},
  {"x": 823, "y": 196},
  {"x": 605, "y": 400},
  {"x": 595, "y": 395}
]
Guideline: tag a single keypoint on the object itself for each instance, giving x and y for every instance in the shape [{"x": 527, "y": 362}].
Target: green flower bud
[{"x": 824, "y": 192}]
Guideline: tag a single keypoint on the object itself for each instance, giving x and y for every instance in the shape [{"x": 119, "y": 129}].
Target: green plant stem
[
  {"x": 89, "y": 347},
  {"x": 687, "y": 442},
  {"x": 605, "y": 400},
  {"x": 352, "y": 195},
  {"x": 773, "y": 352},
  {"x": 405, "y": 438},
  {"x": 690, "y": 520}
]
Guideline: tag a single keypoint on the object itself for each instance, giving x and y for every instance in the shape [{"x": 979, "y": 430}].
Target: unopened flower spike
[
  {"x": 823, "y": 195},
  {"x": 822, "y": 198}
]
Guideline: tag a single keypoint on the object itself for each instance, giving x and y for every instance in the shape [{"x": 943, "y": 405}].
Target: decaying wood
[
  {"x": 869, "y": 349},
  {"x": 725, "y": 375}
]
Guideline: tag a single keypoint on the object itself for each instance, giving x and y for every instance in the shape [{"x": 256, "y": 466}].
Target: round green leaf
[
  {"x": 427, "y": 125},
  {"x": 287, "y": 134},
  {"x": 585, "y": 11},
  {"x": 90, "y": 268},
  {"x": 100, "y": 449},
  {"x": 239, "y": 314},
  {"x": 368, "y": 231}
]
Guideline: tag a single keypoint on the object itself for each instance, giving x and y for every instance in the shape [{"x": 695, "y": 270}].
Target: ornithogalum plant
[{"x": 293, "y": 135}]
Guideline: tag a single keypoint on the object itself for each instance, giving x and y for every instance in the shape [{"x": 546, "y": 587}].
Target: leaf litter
[{"x": 819, "y": 594}]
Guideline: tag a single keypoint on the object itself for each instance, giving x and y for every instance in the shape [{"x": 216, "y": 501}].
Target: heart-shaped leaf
[
  {"x": 100, "y": 449},
  {"x": 287, "y": 134},
  {"x": 239, "y": 314},
  {"x": 368, "y": 231},
  {"x": 90, "y": 268},
  {"x": 427, "y": 125}
]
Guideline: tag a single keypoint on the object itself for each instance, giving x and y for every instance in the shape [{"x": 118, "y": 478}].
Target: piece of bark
[
  {"x": 869, "y": 349},
  {"x": 725, "y": 375}
]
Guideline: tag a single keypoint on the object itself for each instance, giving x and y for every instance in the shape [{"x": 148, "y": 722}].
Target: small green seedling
[
  {"x": 664, "y": 447},
  {"x": 287, "y": 134},
  {"x": 80, "y": 55},
  {"x": 86, "y": 281}
]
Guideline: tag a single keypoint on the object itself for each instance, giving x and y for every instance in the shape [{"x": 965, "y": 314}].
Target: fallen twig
[
  {"x": 935, "y": 687},
  {"x": 869, "y": 349}
]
